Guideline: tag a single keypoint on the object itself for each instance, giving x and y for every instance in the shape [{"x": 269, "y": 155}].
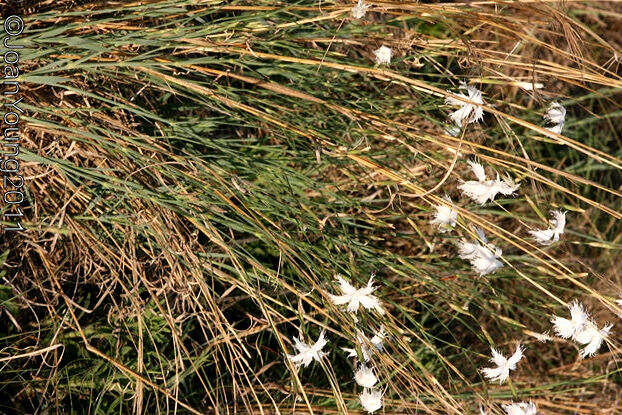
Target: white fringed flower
[
  {"x": 357, "y": 297},
  {"x": 445, "y": 216},
  {"x": 371, "y": 400},
  {"x": 592, "y": 337},
  {"x": 565, "y": 328},
  {"x": 581, "y": 329},
  {"x": 556, "y": 228},
  {"x": 483, "y": 258},
  {"x": 365, "y": 377},
  {"x": 555, "y": 115},
  {"x": 307, "y": 353},
  {"x": 383, "y": 55},
  {"x": 522, "y": 408},
  {"x": 358, "y": 11},
  {"x": 502, "y": 371},
  {"x": 468, "y": 112},
  {"x": 483, "y": 190}
]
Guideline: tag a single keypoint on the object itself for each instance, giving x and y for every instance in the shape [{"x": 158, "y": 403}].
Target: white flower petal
[
  {"x": 522, "y": 408},
  {"x": 592, "y": 337},
  {"x": 555, "y": 113},
  {"x": 350, "y": 352},
  {"x": 494, "y": 374},
  {"x": 340, "y": 299},
  {"x": 354, "y": 298},
  {"x": 550, "y": 235},
  {"x": 543, "y": 236},
  {"x": 371, "y": 400},
  {"x": 506, "y": 186},
  {"x": 307, "y": 353},
  {"x": 557, "y": 128},
  {"x": 365, "y": 377},
  {"x": 468, "y": 112},
  {"x": 483, "y": 190},
  {"x": 478, "y": 170},
  {"x": 503, "y": 366},
  {"x": 467, "y": 250},
  {"x": 565, "y": 328},
  {"x": 345, "y": 286},
  {"x": 497, "y": 358},
  {"x": 383, "y": 55},
  {"x": 558, "y": 222},
  {"x": 445, "y": 216},
  {"x": 578, "y": 313},
  {"x": 359, "y": 10},
  {"x": 480, "y": 192},
  {"x": 486, "y": 264},
  {"x": 371, "y": 302},
  {"x": 516, "y": 357},
  {"x": 480, "y": 234},
  {"x": 483, "y": 258}
]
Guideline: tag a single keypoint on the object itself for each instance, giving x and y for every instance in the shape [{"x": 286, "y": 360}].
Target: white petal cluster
[
  {"x": 503, "y": 366},
  {"x": 355, "y": 298},
  {"x": 468, "y": 112},
  {"x": 383, "y": 55},
  {"x": 371, "y": 400},
  {"x": 365, "y": 377},
  {"x": 483, "y": 190},
  {"x": 359, "y": 10},
  {"x": 445, "y": 216},
  {"x": 565, "y": 328},
  {"x": 555, "y": 115},
  {"x": 592, "y": 338},
  {"x": 522, "y": 408},
  {"x": 556, "y": 228},
  {"x": 483, "y": 258},
  {"x": 306, "y": 352},
  {"x": 582, "y": 329}
]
